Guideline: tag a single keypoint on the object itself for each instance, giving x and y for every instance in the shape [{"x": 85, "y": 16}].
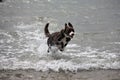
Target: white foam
[
  {"x": 72, "y": 45},
  {"x": 55, "y": 65},
  {"x": 42, "y": 49},
  {"x": 116, "y": 42}
]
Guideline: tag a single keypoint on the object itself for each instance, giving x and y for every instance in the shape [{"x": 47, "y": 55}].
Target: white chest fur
[{"x": 64, "y": 40}]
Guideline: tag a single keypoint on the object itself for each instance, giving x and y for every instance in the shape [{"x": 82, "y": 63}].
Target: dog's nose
[{"x": 72, "y": 35}]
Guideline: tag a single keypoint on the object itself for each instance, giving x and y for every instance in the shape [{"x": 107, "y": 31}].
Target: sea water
[{"x": 96, "y": 44}]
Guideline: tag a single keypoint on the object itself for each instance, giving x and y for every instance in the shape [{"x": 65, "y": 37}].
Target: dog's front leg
[{"x": 61, "y": 46}]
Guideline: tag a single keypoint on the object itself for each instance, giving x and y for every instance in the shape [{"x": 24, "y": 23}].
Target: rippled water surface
[{"x": 96, "y": 44}]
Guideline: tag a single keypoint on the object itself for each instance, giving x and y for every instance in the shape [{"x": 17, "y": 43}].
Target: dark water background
[{"x": 95, "y": 45}]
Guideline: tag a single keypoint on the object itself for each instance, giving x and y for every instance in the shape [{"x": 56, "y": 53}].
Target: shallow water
[{"x": 96, "y": 44}]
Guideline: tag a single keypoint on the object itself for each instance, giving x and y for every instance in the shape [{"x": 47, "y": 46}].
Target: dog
[{"x": 59, "y": 39}]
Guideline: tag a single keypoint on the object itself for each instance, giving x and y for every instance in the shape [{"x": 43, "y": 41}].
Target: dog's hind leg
[
  {"x": 49, "y": 47},
  {"x": 48, "y": 50}
]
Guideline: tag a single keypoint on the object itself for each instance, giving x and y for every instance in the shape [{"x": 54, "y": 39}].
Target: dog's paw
[
  {"x": 48, "y": 51},
  {"x": 61, "y": 50}
]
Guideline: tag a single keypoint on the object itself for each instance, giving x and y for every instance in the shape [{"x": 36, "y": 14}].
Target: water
[{"x": 96, "y": 44}]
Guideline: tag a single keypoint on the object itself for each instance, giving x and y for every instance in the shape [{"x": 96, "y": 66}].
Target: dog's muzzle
[{"x": 71, "y": 34}]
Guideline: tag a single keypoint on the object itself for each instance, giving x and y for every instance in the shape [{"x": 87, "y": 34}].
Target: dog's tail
[{"x": 46, "y": 31}]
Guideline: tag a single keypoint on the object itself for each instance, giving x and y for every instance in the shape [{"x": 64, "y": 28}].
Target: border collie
[{"x": 59, "y": 39}]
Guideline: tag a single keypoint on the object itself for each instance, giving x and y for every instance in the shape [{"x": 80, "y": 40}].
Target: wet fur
[{"x": 59, "y": 39}]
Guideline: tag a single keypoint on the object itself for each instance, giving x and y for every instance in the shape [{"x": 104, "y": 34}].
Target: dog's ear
[
  {"x": 70, "y": 25},
  {"x": 66, "y": 26}
]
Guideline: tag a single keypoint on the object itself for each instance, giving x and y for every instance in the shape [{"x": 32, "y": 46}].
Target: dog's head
[{"x": 69, "y": 30}]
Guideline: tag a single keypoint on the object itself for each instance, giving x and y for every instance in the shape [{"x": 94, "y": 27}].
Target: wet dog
[{"x": 59, "y": 39}]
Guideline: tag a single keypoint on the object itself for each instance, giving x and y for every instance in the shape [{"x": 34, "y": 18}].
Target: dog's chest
[{"x": 65, "y": 40}]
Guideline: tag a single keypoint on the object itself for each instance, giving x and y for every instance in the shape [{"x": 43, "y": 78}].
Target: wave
[{"x": 26, "y": 48}]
